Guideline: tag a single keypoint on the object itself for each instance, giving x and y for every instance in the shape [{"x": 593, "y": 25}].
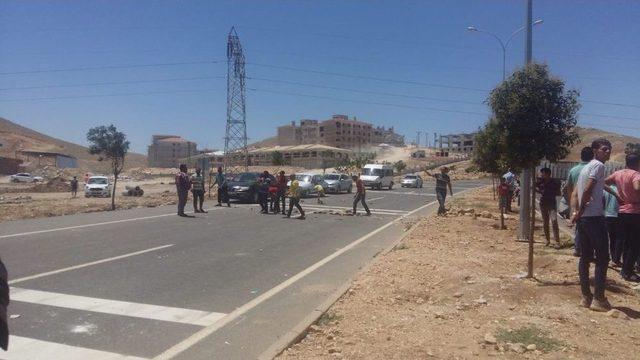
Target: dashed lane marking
[{"x": 22, "y": 348}]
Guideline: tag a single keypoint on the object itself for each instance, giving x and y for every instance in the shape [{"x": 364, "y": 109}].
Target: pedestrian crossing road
[{"x": 146, "y": 284}]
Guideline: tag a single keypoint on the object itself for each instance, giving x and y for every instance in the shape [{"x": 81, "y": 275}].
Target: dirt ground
[{"x": 454, "y": 288}]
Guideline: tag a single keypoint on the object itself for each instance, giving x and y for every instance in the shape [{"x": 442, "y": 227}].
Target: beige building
[{"x": 167, "y": 150}]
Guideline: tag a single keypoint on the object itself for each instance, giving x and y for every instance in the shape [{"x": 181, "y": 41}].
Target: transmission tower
[{"x": 236, "y": 157}]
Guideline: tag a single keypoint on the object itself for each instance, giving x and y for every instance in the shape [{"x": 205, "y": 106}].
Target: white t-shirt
[{"x": 593, "y": 170}]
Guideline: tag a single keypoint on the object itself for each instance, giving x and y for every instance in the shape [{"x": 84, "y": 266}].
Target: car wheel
[
  {"x": 391, "y": 185},
  {"x": 349, "y": 189}
]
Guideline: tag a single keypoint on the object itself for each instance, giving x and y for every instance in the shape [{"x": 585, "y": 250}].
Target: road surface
[{"x": 145, "y": 283}]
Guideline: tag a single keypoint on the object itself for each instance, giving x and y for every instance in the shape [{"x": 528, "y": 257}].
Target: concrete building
[
  {"x": 35, "y": 159},
  {"x": 167, "y": 150},
  {"x": 457, "y": 143},
  {"x": 381, "y": 135},
  {"x": 309, "y": 156}
]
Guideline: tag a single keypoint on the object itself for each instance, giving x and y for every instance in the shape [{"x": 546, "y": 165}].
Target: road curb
[{"x": 300, "y": 331}]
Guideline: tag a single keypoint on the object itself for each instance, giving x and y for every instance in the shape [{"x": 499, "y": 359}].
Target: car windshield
[
  {"x": 100, "y": 181},
  {"x": 369, "y": 171},
  {"x": 304, "y": 178},
  {"x": 332, "y": 177},
  {"x": 246, "y": 177},
  {"x": 410, "y": 177}
]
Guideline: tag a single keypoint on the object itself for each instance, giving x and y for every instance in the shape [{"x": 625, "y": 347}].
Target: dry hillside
[
  {"x": 618, "y": 141},
  {"x": 14, "y": 137}
]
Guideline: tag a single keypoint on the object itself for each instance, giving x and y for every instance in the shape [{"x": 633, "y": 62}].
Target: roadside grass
[
  {"x": 530, "y": 335},
  {"x": 328, "y": 317}
]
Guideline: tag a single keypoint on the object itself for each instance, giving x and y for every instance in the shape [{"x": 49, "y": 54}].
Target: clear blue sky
[{"x": 593, "y": 45}]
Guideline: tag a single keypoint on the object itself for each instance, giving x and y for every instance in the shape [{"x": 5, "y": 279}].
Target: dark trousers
[
  {"x": 630, "y": 229},
  {"x": 264, "y": 202},
  {"x": 616, "y": 241},
  {"x": 360, "y": 197},
  {"x": 182, "y": 200},
  {"x": 280, "y": 199},
  {"x": 294, "y": 202},
  {"x": 549, "y": 212},
  {"x": 198, "y": 199},
  {"x": 223, "y": 195},
  {"x": 595, "y": 246},
  {"x": 441, "y": 195}
]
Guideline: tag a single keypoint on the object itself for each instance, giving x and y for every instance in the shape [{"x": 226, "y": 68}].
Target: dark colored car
[{"x": 244, "y": 186}]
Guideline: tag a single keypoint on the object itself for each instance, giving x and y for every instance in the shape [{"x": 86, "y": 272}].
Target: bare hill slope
[{"x": 618, "y": 141}]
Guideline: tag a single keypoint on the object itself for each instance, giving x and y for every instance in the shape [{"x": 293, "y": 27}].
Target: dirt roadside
[{"x": 453, "y": 289}]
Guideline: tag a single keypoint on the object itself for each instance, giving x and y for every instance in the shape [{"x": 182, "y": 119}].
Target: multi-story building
[
  {"x": 168, "y": 150},
  {"x": 341, "y": 132},
  {"x": 457, "y": 143},
  {"x": 381, "y": 135}
]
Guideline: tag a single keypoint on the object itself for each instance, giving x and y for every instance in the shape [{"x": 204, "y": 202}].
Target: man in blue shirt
[
  {"x": 586, "y": 155},
  {"x": 611, "y": 218}
]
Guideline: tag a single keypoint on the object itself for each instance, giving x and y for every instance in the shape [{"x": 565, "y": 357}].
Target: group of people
[{"x": 272, "y": 192}]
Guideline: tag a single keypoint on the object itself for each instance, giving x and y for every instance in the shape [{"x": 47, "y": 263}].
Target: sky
[{"x": 159, "y": 67}]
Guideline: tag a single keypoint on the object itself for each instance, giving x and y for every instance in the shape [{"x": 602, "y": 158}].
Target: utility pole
[
  {"x": 418, "y": 140},
  {"x": 426, "y": 139},
  {"x": 525, "y": 177}
]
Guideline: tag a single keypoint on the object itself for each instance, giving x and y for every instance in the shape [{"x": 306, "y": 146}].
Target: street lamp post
[{"x": 503, "y": 44}]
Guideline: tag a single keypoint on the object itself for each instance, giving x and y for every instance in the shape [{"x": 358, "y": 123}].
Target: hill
[
  {"x": 268, "y": 142},
  {"x": 618, "y": 141},
  {"x": 15, "y": 137}
]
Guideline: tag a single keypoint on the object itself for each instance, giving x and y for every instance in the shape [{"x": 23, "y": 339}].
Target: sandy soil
[{"x": 454, "y": 289}]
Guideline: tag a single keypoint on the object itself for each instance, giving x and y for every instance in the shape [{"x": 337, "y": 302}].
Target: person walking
[
  {"x": 549, "y": 188},
  {"x": 197, "y": 188},
  {"x": 616, "y": 242},
  {"x": 223, "y": 190},
  {"x": 294, "y": 197},
  {"x": 281, "y": 182},
  {"x": 442, "y": 182},
  {"x": 182, "y": 186},
  {"x": 627, "y": 182},
  {"x": 586, "y": 155},
  {"x": 263, "y": 193},
  {"x": 359, "y": 196},
  {"x": 589, "y": 216},
  {"x": 74, "y": 186}
]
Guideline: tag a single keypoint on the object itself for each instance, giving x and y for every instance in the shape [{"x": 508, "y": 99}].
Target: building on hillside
[
  {"x": 167, "y": 150},
  {"x": 457, "y": 143},
  {"x": 36, "y": 158},
  {"x": 381, "y": 135}
]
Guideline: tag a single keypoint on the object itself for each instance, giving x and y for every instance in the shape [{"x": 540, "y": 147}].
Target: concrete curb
[{"x": 299, "y": 331}]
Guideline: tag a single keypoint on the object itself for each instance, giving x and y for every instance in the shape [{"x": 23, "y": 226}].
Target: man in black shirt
[
  {"x": 549, "y": 188},
  {"x": 442, "y": 183}
]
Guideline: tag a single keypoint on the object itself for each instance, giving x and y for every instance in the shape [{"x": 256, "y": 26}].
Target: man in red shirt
[
  {"x": 628, "y": 183},
  {"x": 282, "y": 191},
  {"x": 360, "y": 196}
]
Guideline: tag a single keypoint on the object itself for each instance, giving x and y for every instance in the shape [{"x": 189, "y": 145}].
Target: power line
[
  {"x": 612, "y": 126},
  {"x": 112, "y": 95},
  {"x": 108, "y": 67},
  {"x": 611, "y": 103},
  {"x": 609, "y": 116},
  {"x": 113, "y": 83}
]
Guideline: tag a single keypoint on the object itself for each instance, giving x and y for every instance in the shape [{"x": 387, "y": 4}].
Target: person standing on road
[
  {"x": 294, "y": 197},
  {"x": 627, "y": 182},
  {"x": 282, "y": 192},
  {"x": 263, "y": 193},
  {"x": 589, "y": 216},
  {"x": 442, "y": 182},
  {"x": 223, "y": 191},
  {"x": 74, "y": 186},
  {"x": 549, "y": 188},
  {"x": 197, "y": 188},
  {"x": 586, "y": 155},
  {"x": 359, "y": 196},
  {"x": 616, "y": 242},
  {"x": 182, "y": 186}
]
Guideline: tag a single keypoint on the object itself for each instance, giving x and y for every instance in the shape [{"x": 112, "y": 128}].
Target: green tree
[
  {"x": 277, "y": 158},
  {"x": 489, "y": 149},
  {"x": 536, "y": 119},
  {"x": 111, "y": 145},
  {"x": 632, "y": 148},
  {"x": 399, "y": 166}
]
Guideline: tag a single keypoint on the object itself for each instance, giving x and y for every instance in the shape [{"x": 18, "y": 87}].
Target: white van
[{"x": 377, "y": 176}]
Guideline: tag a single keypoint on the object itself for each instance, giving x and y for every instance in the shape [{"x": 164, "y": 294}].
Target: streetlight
[{"x": 503, "y": 44}]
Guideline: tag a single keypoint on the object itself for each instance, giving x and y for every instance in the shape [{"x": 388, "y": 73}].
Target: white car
[
  {"x": 377, "y": 176},
  {"x": 25, "y": 177},
  {"x": 411, "y": 181},
  {"x": 97, "y": 186},
  {"x": 307, "y": 183}
]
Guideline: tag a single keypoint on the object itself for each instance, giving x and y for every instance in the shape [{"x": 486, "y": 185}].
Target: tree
[
  {"x": 536, "y": 119},
  {"x": 111, "y": 145},
  {"x": 325, "y": 156},
  {"x": 277, "y": 158},
  {"x": 399, "y": 166},
  {"x": 632, "y": 148}
]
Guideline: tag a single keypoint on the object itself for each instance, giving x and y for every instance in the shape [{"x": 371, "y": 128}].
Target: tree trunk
[
  {"x": 493, "y": 185},
  {"x": 533, "y": 223},
  {"x": 113, "y": 193}
]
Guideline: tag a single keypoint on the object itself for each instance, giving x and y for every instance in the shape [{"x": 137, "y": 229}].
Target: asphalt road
[{"x": 145, "y": 283}]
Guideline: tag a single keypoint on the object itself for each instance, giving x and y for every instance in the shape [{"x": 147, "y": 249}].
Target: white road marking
[
  {"x": 22, "y": 348},
  {"x": 328, "y": 207},
  {"x": 374, "y": 199},
  {"x": 342, "y": 209},
  {"x": 401, "y": 192},
  {"x": 200, "y": 335},
  {"x": 115, "y": 307},
  {"x": 15, "y": 281}
]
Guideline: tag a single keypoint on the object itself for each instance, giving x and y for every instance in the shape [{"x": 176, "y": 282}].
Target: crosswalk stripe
[
  {"x": 22, "y": 348},
  {"x": 413, "y": 193},
  {"x": 329, "y": 207},
  {"x": 115, "y": 307}
]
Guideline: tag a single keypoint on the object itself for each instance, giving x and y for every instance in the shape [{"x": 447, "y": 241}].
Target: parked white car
[
  {"x": 411, "y": 180},
  {"x": 377, "y": 176},
  {"x": 335, "y": 183},
  {"x": 25, "y": 177},
  {"x": 97, "y": 186}
]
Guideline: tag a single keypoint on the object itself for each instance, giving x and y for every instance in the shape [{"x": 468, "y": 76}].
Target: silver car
[
  {"x": 335, "y": 183},
  {"x": 414, "y": 181},
  {"x": 307, "y": 183}
]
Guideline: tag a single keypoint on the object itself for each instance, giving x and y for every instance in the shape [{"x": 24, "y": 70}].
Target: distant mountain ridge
[{"x": 15, "y": 137}]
